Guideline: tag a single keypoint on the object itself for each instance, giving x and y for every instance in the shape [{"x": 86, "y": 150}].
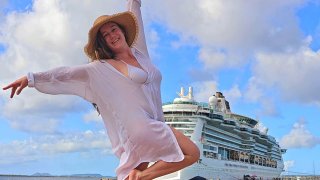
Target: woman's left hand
[{"x": 17, "y": 86}]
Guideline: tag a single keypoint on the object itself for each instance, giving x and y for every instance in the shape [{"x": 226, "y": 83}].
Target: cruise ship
[{"x": 231, "y": 145}]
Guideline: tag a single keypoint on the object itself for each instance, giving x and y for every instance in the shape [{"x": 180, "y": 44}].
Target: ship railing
[
  {"x": 240, "y": 156},
  {"x": 194, "y": 114},
  {"x": 201, "y": 104},
  {"x": 245, "y": 158},
  {"x": 202, "y": 107}
]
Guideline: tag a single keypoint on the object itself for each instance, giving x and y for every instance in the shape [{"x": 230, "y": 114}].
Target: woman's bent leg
[
  {"x": 160, "y": 168},
  {"x": 143, "y": 166},
  {"x": 134, "y": 174}
]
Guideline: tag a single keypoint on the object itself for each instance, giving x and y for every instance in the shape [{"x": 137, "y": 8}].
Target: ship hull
[{"x": 224, "y": 170}]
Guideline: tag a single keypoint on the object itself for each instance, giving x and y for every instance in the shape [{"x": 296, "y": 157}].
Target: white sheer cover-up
[{"x": 131, "y": 111}]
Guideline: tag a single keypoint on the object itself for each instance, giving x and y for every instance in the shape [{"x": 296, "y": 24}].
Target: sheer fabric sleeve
[
  {"x": 63, "y": 80},
  {"x": 134, "y": 7}
]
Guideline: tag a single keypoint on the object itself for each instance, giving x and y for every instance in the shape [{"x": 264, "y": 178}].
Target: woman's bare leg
[
  {"x": 143, "y": 166},
  {"x": 160, "y": 168},
  {"x": 134, "y": 174}
]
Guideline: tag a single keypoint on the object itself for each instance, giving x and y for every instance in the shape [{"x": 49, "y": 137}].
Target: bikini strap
[{"x": 123, "y": 61}]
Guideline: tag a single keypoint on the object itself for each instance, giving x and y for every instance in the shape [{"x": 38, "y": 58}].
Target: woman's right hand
[{"x": 17, "y": 86}]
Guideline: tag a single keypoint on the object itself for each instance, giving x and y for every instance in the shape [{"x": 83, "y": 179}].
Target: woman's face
[{"x": 113, "y": 36}]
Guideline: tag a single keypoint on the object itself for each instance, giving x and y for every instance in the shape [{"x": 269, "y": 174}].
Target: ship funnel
[
  {"x": 182, "y": 92},
  {"x": 190, "y": 94},
  {"x": 184, "y": 98}
]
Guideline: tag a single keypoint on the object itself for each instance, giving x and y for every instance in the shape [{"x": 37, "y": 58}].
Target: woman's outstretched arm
[
  {"x": 134, "y": 7},
  {"x": 62, "y": 80}
]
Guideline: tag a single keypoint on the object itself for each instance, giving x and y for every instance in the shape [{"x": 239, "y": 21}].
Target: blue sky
[{"x": 264, "y": 56}]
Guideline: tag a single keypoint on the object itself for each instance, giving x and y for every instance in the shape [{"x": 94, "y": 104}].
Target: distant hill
[
  {"x": 41, "y": 174},
  {"x": 74, "y": 175}
]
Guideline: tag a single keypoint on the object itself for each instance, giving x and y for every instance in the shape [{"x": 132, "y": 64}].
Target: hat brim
[{"x": 127, "y": 20}]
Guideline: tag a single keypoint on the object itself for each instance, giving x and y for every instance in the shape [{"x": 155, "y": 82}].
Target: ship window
[
  {"x": 210, "y": 154},
  {"x": 215, "y": 116},
  {"x": 189, "y": 126},
  {"x": 206, "y": 146}
]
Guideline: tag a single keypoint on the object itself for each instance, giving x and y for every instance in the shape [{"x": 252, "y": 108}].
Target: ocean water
[{"x": 14, "y": 177}]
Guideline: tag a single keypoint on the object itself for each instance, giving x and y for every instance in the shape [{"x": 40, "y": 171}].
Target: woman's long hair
[{"x": 103, "y": 52}]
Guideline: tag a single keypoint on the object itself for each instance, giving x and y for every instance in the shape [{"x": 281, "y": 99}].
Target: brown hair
[
  {"x": 102, "y": 50},
  {"x": 126, "y": 19}
]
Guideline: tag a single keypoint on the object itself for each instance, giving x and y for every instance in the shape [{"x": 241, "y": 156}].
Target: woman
[{"x": 124, "y": 86}]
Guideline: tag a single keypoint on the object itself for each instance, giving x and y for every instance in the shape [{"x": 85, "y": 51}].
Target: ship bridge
[{"x": 243, "y": 119}]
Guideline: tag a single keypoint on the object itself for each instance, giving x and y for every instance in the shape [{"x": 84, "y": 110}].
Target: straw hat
[{"x": 125, "y": 19}]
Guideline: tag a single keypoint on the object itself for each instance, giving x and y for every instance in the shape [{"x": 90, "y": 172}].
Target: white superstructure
[{"x": 231, "y": 145}]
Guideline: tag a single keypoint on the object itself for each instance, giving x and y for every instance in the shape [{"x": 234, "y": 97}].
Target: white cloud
[
  {"x": 93, "y": 116},
  {"x": 51, "y": 145},
  {"x": 269, "y": 108},
  {"x": 196, "y": 74},
  {"x": 3, "y": 4},
  {"x": 234, "y": 35},
  {"x": 212, "y": 58},
  {"x": 51, "y": 33},
  {"x": 152, "y": 38},
  {"x": 233, "y": 94},
  {"x": 38, "y": 113},
  {"x": 231, "y": 31},
  {"x": 35, "y": 125},
  {"x": 294, "y": 75},
  {"x": 299, "y": 137},
  {"x": 203, "y": 90},
  {"x": 288, "y": 164},
  {"x": 253, "y": 93}
]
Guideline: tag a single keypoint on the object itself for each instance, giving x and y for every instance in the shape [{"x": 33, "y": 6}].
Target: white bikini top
[{"x": 136, "y": 74}]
